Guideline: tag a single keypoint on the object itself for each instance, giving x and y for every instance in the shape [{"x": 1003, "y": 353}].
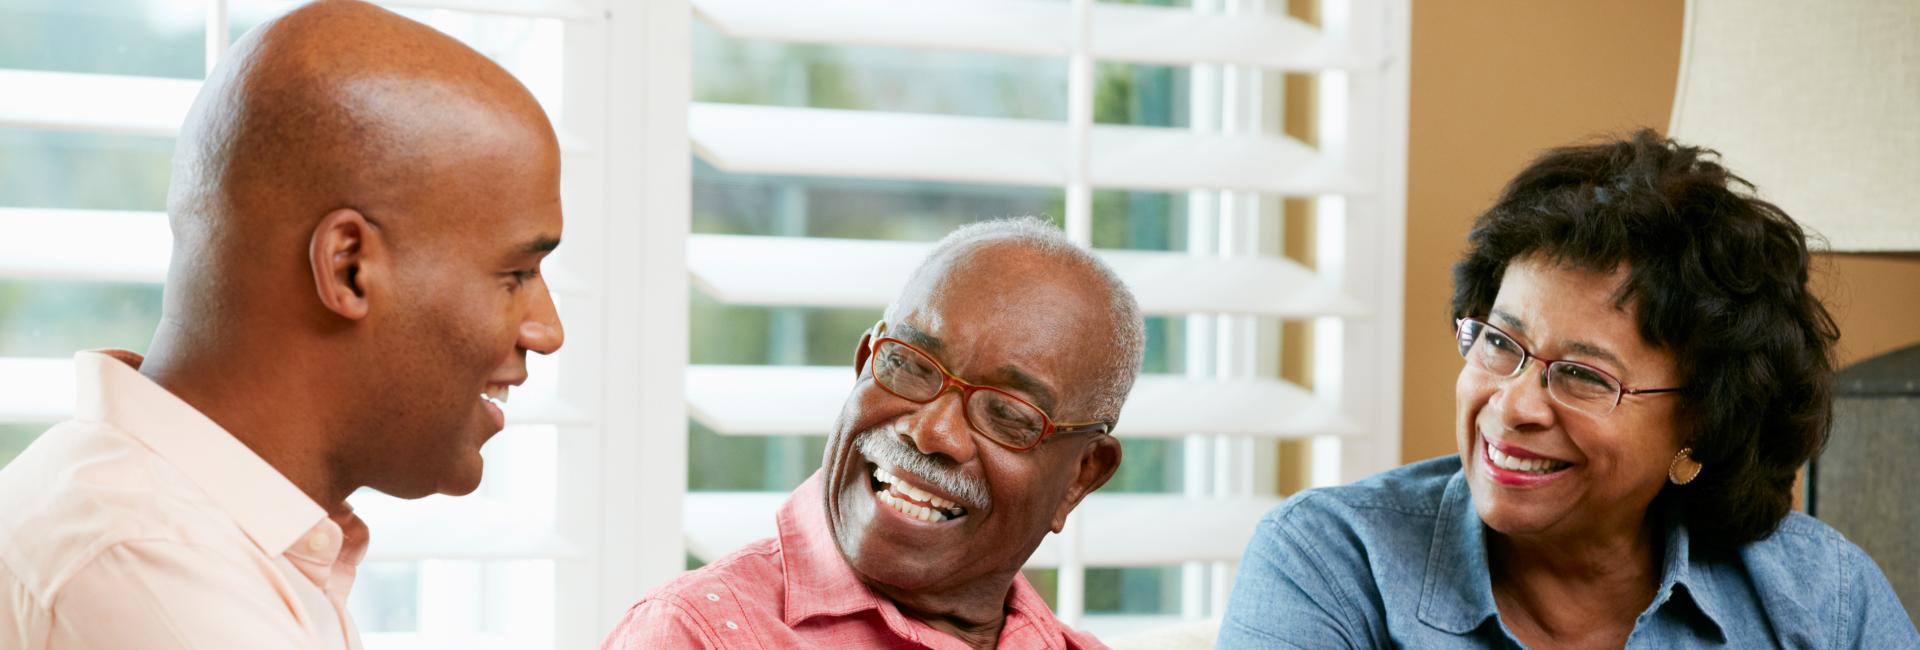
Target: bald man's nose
[{"x": 542, "y": 331}]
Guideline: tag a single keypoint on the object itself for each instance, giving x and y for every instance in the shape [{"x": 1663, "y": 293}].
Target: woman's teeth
[
  {"x": 496, "y": 394},
  {"x": 902, "y": 497},
  {"x": 1527, "y": 465}
]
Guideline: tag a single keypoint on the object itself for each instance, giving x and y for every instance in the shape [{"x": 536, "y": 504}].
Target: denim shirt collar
[{"x": 1457, "y": 594}]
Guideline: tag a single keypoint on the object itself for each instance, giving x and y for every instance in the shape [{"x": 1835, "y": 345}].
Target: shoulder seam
[
  {"x": 677, "y": 602},
  {"x": 1368, "y": 504},
  {"x": 92, "y": 557}
]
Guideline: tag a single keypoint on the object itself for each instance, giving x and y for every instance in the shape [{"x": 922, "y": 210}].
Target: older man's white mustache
[{"x": 883, "y": 446}]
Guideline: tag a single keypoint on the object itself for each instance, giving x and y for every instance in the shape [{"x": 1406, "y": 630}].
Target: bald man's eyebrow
[{"x": 543, "y": 244}]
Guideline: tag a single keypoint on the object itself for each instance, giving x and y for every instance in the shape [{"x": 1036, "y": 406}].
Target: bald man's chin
[{"x": 465, "y": 479}]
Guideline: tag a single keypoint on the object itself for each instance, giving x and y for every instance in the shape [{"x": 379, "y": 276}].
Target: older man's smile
[{"x": 901, "y": 496}]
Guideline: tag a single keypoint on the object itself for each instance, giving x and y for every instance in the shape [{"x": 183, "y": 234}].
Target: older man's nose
[{"x": 940, "y": 427}]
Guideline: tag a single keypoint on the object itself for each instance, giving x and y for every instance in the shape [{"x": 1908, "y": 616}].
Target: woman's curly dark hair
[{"x": 1719, "y": 279}]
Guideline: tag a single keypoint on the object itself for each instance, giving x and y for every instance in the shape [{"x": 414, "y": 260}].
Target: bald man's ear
[
  {"x": 1098, "y": 461},
  {"x": 345, "y": 254}
]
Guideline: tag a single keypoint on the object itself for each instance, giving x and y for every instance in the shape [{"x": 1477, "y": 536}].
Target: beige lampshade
[{"x": 1815, "y": 102}]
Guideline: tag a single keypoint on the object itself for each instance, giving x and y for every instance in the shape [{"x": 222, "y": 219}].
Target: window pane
[
  {"x": 14, "y": 439},
  {"x": 386, "y": 597},
  {"x": 1148, "y": 221},
  {"x": 1148, "y": 465},
  {"x": 724, "y": 334},
  {"x": 1133, "y": 590},
  {"x": 58, "y": 318},
  {"x": 1128, "y": 590},
  {"x": 150, "y": 38},
  {"x": 717, "y": 463},
  {"x": 51, "y": 169},
  {"x": 737, "y": 71},
  {"x": 1166, "y": 350},
  {"x": 1140, "y": 95},
  {"x": 750, "y": 204},
  {"x": 454, "y": 604}
]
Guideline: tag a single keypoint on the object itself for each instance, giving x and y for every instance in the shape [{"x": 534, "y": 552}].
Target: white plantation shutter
[
  {"x": 584, "y": 494},
  {"x": 545, "y": 553},
  {"x": 1228, "y": 287}
]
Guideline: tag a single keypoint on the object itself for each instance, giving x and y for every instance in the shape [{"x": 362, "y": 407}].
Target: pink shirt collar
[
  {"x": 270, "y": 509},
  {"x": 819, "y": 582}
]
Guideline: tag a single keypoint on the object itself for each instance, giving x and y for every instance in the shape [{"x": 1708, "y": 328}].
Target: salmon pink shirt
[{"x": 796, "y": 591}]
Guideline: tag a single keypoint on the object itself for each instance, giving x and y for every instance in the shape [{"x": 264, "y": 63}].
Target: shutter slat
[
  {"x": 902, "y": 146},
  {"x": 92, "y": 245},
  {"x": 96, "y": 103},
  {"x": 804, "y": 400},
  {"x": 794, "y": 271}
]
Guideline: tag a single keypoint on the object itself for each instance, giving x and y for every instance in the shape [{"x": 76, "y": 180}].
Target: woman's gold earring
[{"x": 1684, "y": 468}]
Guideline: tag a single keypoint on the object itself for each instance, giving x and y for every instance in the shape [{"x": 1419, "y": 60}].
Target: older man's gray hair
[{"x": 1129, "y": 334}]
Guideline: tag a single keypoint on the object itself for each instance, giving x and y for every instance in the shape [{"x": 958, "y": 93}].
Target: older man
[
  {"x": 982, "y": 416},
  {"x": 360, "y": 206}
]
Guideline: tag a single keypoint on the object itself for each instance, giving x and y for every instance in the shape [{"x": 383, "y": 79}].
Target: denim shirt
[{"x": 1399, "y": 560}]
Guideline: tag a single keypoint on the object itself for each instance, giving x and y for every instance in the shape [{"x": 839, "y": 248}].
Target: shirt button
[
  {"x": 319, "y": 541},
  {"x": 713, "y": 597},
  {"x": 732, "y": 625}
]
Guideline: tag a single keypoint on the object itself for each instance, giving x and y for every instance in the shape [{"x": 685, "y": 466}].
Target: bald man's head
[
  {"x": 342, "y": 103},
  {"x": 360, "y": 204}
]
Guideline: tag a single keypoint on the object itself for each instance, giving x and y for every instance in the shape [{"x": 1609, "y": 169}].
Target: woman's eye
[
  {"x": 1500, "y": 342},
  {"x": 1586, "y": 376}
]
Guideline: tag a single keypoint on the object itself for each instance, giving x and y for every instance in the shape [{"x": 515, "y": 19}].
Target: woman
[{"x": 1645, "y": 371}]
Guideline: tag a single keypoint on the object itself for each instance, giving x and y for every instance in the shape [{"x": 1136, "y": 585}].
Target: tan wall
[{"x": 1493, "y": 82}]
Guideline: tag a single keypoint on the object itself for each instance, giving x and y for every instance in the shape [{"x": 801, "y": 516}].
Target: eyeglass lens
[
  {"x": 1573, "y": 384},
  {"x": 906, "y": 372}
]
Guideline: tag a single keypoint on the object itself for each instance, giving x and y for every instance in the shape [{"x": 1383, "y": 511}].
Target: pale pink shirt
[
  {"x": 142, "y": 524},
  {"x": 796, "y": 591}
]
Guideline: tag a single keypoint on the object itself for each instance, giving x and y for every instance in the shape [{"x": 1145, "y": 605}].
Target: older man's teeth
[
  {"x": 898, "y": 493},
  {"x": 910, "y": 491},
  {"x": 1527, "y": 465},
  {"x": 915, "y": 511},
  {"x": 496, "y": 394}
]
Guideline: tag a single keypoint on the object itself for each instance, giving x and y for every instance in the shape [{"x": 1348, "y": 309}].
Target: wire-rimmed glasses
[{"x": 1575, "y": 385}]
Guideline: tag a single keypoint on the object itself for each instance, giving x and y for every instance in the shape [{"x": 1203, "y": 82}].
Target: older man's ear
[
  {"x": 1099, "y": 459},
  {"x": 860, "y": 353}
]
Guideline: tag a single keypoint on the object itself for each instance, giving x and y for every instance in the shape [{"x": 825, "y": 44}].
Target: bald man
[{"x": 360, "y": 206}]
